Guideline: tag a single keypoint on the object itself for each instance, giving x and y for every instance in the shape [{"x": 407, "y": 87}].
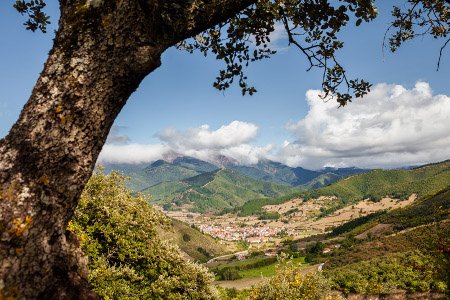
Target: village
[{"x": 260, "y": 234}]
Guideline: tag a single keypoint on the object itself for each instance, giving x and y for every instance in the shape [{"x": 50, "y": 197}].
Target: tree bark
[{"x": 101, "y": 52}]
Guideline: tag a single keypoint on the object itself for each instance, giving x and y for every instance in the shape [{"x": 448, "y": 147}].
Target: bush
[
  {"x": 269, "y": 216},
  {"x": 204, "y": 252},
  {"x": 290, "y": 284},
  {"x": 127, "y": 260},
  {"x": 228, "y": 273},
  {"x": 411, "y": 271},
  {"x": 186, "y": 237}
]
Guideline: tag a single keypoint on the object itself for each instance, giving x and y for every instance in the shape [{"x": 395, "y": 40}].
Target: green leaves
[
  {"x": 311, "y": 26},
  {"x": 412, "y": 271},
  {"x": 37, "y": 18},
  {"x": 127, "y": 259},
  {"x": 420, "y": 18}
]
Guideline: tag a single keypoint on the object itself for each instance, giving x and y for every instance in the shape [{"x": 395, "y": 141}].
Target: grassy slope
[
  {"x": 276, "y": 172},
  {"x": 190, "y": 240},
  {"x": 411, "y": 254},
  {"x": 410, "y": 260},
  {"x": 424, "y": 211},
  {"x": 423, "y": 238},
  {"x": 427, "y": 210},
  {"x": 215, "y": 191},
  {"x": 142, "y": 179},
  {"x": 321, "y": 180},
  {"x": 246, "y": 270},
  {"x": 229, "y": 189},
  {"x": 194, "y": 164},
  {"x": 425, "y": 181},
  {"x": 268, "y": 271},
  {"x": 162, "y": 172},
  {"x": 418, "y": 218},
  {"x": 164, "y": 192}
]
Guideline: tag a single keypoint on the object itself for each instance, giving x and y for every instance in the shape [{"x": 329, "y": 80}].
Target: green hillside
[
  {"x": 194, "y": 164},
  {"x": 137, "y": 179},
  {"x": 371, "y": 261},
  {"x": 214, "y": 191},
  {"x": 164, "y": 192},
  {"x": 272, "y": 171},
  {"x": 430, "y": 209},
  {"x": 198, "y": 246},
  {"x": 279, "y": 173},
  {"x": 424, "y": 211},
  {"x": 424, "y": 181},
  {"x": 202, "y": 179},
  {"x": 142, "y": 176},
  {"x": 161, "y": 171},
  {"x": 321, "y": 180}
]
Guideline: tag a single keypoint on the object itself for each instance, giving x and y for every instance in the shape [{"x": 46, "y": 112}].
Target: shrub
[
  {"x": 269, "y": 216},
  {"x": 127, "y": 260},
  {"x": 204, "y": 252},
  {"x": 228, "y": 273},
  {"x": 290, "y": 284},
  {"x": 186, "y": 237},
  {"x": 412, "y": 271}
]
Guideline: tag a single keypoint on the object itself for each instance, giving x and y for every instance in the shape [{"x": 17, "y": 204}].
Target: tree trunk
[
  {"x": 98, "y": 59},
  {"x": 101, "y": 52}
]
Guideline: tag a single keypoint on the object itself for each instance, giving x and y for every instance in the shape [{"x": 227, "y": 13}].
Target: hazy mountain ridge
[{"x": 178, "y": 168}]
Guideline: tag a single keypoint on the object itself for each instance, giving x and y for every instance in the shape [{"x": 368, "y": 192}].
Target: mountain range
[
  {"x": 182, "y": 167},
  {"x": 223, "y": 184}
]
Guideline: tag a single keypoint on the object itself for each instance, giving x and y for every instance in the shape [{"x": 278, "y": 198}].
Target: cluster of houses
[{"x": 250, "y": 234}]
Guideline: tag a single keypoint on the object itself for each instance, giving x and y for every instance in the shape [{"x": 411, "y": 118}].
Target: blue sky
[{"x": 279, "y": 118}]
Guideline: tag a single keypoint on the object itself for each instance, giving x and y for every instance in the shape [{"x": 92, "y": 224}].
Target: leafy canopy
[{"x": 312, "y": 26}]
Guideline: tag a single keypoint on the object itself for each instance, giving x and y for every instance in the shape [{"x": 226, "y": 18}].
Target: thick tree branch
[{"x": 189, "y": 18}]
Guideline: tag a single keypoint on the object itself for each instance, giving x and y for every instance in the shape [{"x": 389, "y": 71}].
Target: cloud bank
[
  {"x": 391, "y": 127},
  {"x": 234, "y": 134},
  {"x": 232, "y": 140}
]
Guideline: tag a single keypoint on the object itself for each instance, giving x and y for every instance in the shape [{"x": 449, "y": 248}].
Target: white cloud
[
  {"x": 132, "y": 153},
  {"x": 247, "y": 154},
  {"x": 390, "y": 127},
  {"x": 201, "y": 142},
  {"x": 202, "y": 138}
]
